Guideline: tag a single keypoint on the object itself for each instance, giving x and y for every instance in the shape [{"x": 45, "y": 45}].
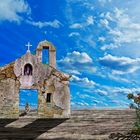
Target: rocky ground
[{"x": 83, "y": 125}]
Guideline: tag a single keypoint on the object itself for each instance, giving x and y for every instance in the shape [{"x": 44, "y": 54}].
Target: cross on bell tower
[{"x": 28, "y": 45}]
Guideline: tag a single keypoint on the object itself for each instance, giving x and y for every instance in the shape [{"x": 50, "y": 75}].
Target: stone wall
[
  {"x": 9, "y": 93},
  {"x": 51, "y": 80},
  {"x": 60, "y": 99}
]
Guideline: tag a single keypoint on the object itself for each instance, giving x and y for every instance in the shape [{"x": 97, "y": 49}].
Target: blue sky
[
  {"x": 30, "y": 97},
  {"x": 97, "y": 42}
]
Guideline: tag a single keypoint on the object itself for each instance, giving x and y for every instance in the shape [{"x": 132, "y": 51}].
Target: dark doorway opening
[{"x": 48, "y": 99}]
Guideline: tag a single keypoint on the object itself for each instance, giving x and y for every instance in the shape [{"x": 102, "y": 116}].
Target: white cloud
[
  {"x": 11, "y": 10},
  {"x": 127, "y": 30},
  {"x": 55, "y": 23},
  {"x": 76, "y": 72},
  {"x": 79, "y": 105},
  {"x": 74, "y": 34},
  {"x": 77, "y": 57},
  {"x": 120, "y": 65},
  {"x": 90, "y": 20},
  {"x": 110, "y": 46},
  {"x": 85, "y": 23},
  {"x": 76, "y": 26},
  {"x": 83, "y": 81},
  {"x": 101, "y": 91},
  {"x": 89, "y": 40},
  {"x": 124, "y": 90},
  {"x": 118, "y": 79},
  {"x": 104, "y": 22},
  {"x": 88, "y": 5},
  {"x": 85, "y": 95},
  {"x": 17, "y": 10},
  {"x": 102, "y": 2},
  {"x": 101, "y": 38},
  {"x": 76, "y": 61},
  {"x": 107, "y": 16}
]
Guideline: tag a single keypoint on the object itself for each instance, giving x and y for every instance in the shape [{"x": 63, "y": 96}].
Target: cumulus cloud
[
  {"x": 79, "y": 105},
  {"x": 76, "y": 26},
  {"x": 17, "y": 10},
  {"x": 126, "y": 30},
  {"x": 72, "y": 34},
  {"x": 118, "y": 78},
  {"x": 76, "y": 72},
  {"x": 104, "y": 22},
  {"x": 109, "y": 46},
  {"x": 55, "y": 23},
  {"x": 90, "y": 20},
  {"x": 120, "y": 65},
  {"x": 111, "y": 94},
  {"x": 102, "y": 2},
  {"x": 83, "y": 81},
  {"x": 101, "y": 38},
  {"x": 121, "y": 90},
  {"x": 113, "y": 29},
  {"x": 78, "y": 57},
  {"x": 11, "y": 10},
  {"x": 102, "y": 92},
  {"x": 76, "y": 61}
]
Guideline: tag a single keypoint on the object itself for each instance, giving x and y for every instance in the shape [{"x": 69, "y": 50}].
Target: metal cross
[{"x": 28, "y": 45}]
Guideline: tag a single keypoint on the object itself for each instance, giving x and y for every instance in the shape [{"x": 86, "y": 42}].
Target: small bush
[{"x": 135, "y": 105}]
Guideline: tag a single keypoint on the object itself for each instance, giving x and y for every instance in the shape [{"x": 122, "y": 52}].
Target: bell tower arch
[{"x": 52, "y": 53}]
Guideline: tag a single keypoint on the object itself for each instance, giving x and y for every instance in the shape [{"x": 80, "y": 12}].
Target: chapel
[{"x": 29, "y": 72}]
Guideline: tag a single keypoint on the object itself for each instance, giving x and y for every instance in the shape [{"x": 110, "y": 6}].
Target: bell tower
[{"x": 52, "y": 52}]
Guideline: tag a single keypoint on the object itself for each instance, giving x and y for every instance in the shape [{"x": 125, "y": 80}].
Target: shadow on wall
[{"x": 30, "y": 131}]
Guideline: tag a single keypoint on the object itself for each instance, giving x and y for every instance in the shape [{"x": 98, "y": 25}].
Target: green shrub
[{"x": 135, "y": 105}]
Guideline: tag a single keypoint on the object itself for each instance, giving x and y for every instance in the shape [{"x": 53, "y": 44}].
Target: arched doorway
[{"x": 28, "y": 69}]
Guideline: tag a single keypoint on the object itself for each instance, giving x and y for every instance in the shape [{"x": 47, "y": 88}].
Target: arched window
[
  {"x": 28, "y": 69},
  {"x": 45, "y": 56},
  {"x": 48, "y": 99}
]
